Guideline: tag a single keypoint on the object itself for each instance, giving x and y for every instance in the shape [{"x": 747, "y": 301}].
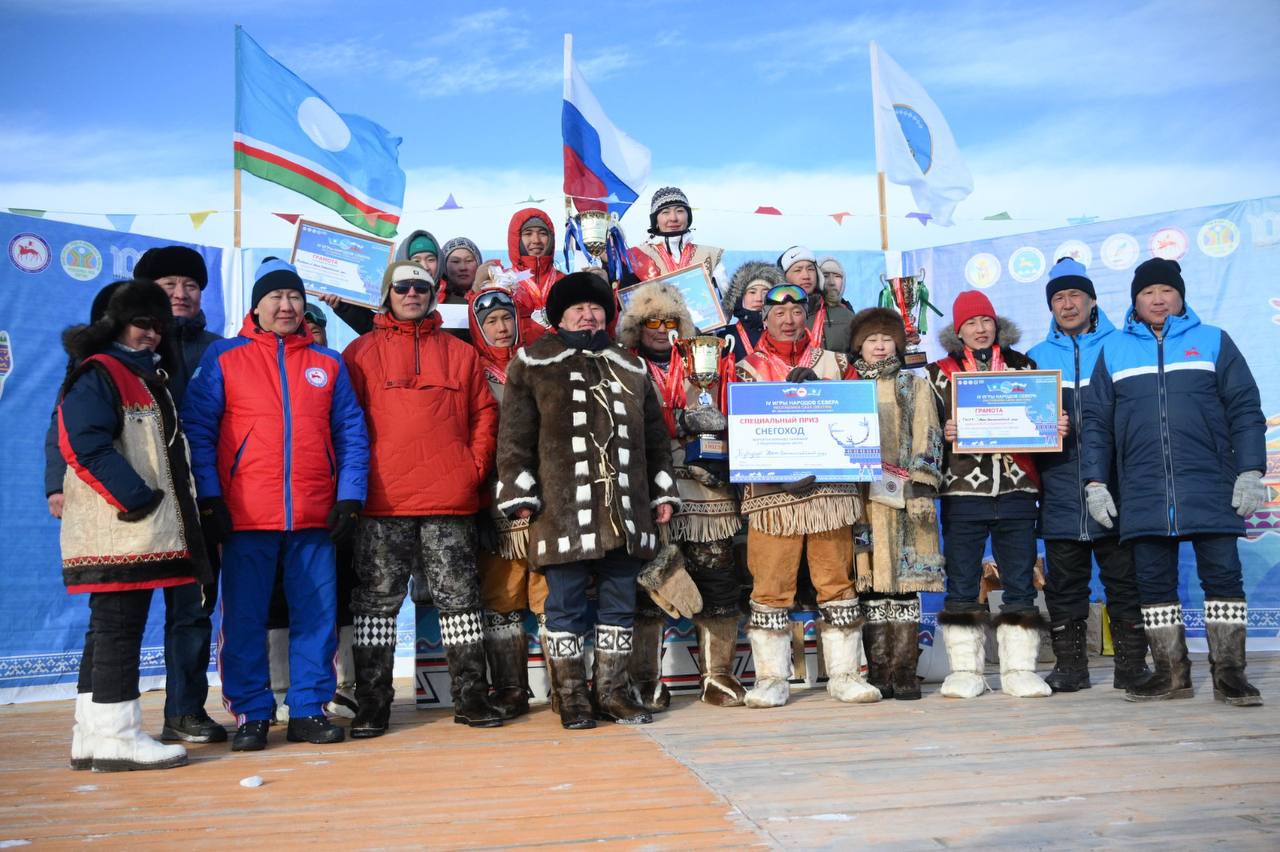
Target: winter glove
[
  {"x": 134, "y": 515},
  {"x": 1101, "y": 507},
  {"x": 801, "y": 374},
  {"x": 486, "y": 532},
  {"x": 215, "y": 520},
  {"x": 342, "y": 519},
  {"x": 922, "y": 509},
  {"x": 712, "y": 474},
  {"x": 669, "y": 584},
  {"x": 799, "y": 485},
  {"x": 1249, "y": 493},
  {"x": 703, "y": 419}
]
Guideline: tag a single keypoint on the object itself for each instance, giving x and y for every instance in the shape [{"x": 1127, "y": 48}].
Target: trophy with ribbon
[
  {"x": 909, "y": 296},
  {"x": 597, "y": 234},
  {"x": 701, "y": 356}
]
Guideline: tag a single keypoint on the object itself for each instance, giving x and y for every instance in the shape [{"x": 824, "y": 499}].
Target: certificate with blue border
[
  {"x": 1007, "y": 412},
  {"x": 781, "y": 432},
  {"x": 333, "y": 261}
]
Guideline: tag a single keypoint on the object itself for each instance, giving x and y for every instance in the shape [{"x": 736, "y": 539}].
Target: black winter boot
[
  {"x": 317, "y": 730},
  {"x": 1130, "y": 643},
  {"x": 1167, "y": 636},
  {"x": 1071, "y": 668},
  {"x": 611, "y": 693},
  {"x": 374, "y": 653},
  {"x": 568, "y": 670},
  {"x": 877, "y": 642},
  {"x": 1226, "y": 625},
  {"x": 903, "y": 612},
  {"x": 507, "y": 648},
  {"x": 644, "y": 667}
]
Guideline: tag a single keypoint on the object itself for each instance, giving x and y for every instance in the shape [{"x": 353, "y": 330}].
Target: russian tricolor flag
[{"x": 600, "y": 161}]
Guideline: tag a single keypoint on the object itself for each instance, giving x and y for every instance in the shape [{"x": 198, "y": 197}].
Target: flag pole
[
  {"x": 568, "y": 64},
  {"x": 884, "y": 214},
  {"x": 235, "y": 170},
  {"x": 875, "y": 129},
  {"x": 235, "y": 210}
]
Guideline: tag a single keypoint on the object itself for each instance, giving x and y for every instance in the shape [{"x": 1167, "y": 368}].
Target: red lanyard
[
  {"x": 670, "y": 384},
  {"x": 971, "y": 363}
]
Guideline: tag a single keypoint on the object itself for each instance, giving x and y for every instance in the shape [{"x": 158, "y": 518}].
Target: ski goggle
[
  {"x": 315, "y": 317},
  {"x": 495, "y": 299},
  {"x": 656, "y": 323},
  {"x": 420, "y": 289},
  {"x": 785, "y": 294}
]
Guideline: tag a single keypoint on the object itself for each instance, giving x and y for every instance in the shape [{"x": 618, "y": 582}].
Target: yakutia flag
[
  {"x": 914, "y": 145},
  {"x": 600, "y": 161},
  {"x": 287, "y": 133}
]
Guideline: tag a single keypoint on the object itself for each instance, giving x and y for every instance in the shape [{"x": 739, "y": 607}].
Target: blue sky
[{"x": 1060, "y": 109}]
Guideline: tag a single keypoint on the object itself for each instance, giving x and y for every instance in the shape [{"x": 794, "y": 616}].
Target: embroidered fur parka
[{"x": 582, "y": 442}]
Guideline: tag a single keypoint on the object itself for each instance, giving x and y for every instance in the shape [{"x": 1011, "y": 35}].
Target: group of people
[{"x": 544, "y": 460}]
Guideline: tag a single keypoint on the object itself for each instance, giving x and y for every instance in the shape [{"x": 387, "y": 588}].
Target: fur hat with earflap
[
  {"x": 655, "y": 300},
  {"x": 129, "y": 300},
  {"x": 869, "y": 321}
]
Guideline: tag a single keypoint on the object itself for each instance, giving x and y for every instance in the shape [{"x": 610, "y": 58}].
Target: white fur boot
[
  {"x": 841, "y": 631},
  {"x": 343, "y": 703},
  {"x": 1019, "y": 643},
  {"x": 278, "y": 666},
  {"x": 964, "y": 635},
  {"x": 120, "y": 744},
  {"x": 82, "y": 734},
  {"x": 771, "y": 651}
]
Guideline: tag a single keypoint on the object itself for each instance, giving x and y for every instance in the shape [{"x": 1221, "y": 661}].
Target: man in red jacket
[{"x": 432, "y": 430}]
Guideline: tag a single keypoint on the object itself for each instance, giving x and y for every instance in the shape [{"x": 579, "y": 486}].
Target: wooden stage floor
[{"x": 1072, "y": 771}]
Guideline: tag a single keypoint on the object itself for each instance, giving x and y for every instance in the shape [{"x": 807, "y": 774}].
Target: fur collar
[
  {"x": 1007, "y": 334},
  {"x": 551, "y": 350}
]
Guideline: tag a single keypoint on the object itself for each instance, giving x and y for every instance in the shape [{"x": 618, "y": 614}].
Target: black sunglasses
[
  {"x": 158, "y": 325},
  {"x": 403, "y": 289}
]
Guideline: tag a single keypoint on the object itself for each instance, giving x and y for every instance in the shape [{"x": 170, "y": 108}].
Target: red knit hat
[{"x": 968, "y": 305}]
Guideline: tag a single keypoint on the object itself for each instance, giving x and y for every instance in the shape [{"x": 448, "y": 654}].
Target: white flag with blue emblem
[{"x": 914, "y": 145}]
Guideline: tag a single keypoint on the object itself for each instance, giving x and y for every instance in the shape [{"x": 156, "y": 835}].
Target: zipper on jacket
[
  {"x": 417, "y": 352},
  {"x": 288, "y": 436},
  {"x": 1075, "y": 439},
  {"x": 1170, "y": 496}
]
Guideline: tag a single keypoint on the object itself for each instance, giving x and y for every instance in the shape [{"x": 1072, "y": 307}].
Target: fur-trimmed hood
[
  {"x": 745, "y": 274},
  {"x": 1007, "y": 334},
  {"x": 656, "y": 299}
]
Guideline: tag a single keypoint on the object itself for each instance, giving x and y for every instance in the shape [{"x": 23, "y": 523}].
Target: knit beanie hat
[
  {"x": 274, "y": 274},
  {"x": 577, "y": 287},
  {"x": 668, "y": 196},
  {"x": 968, "y": 305},
  {"x": 1157, "y": 270},
  {"x": 869, "y": 321},
  {"x": 456, "y": 243},
  {"x": 794, "y": 255},
  {"x": 421, "y": 243},
  {"x": 1068, "y": 274},
  {"x": 408, "y": 272},
  {"x": 535, "y": 222},
  {"x": 161, "y": 262}
]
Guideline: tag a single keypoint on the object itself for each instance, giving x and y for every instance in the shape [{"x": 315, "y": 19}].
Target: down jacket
[
  {"x": 1063, "y": 514},
  {"x": 1180, "y": 417},
  {"x": 432, "y": 420},
  {"x": 275, "y": 429}
]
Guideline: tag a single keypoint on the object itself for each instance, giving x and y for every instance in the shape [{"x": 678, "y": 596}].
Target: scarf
[
  {"x": 775, "y": 359},
  {"x": 886, "y": 367},
  {"x": 592, "y": 341}
]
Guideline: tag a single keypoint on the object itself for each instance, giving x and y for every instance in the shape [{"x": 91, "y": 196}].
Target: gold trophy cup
[{"x": 701, "y": 357}]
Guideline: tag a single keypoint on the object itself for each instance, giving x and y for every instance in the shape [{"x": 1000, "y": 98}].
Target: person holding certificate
[
  {"x": 904, "y": 520},
  {"x": 801, "y": 518},
  {"x": 986, "y": 496}
]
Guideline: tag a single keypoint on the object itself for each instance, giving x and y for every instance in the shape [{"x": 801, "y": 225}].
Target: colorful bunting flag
[
  {"x": 291, "y": 218},
  {"x": 840, "y": 217},
  {"x": 28, "y": 211},
  {"x": 769, "y": 211},
  {"x": 1081, "y": 220},
  {"x": 197, "y": 218},
  {"x": 1002, "y": 216},
  {"x": 450, "y": 204},
  {"x": 531, "y": 200},
  {"x": 922, "y": 218},
  {"x": 121, "y": 221}
]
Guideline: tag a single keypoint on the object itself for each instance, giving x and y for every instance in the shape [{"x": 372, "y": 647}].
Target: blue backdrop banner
[{"x": 48, "y": 278}]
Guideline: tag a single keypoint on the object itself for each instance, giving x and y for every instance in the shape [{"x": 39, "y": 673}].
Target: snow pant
[
  {"x": 1155, "y": 560},
  {"x": 344, "y": 557},
  {"x": 507, "y": 585},
  {"x": 1069, "y": 566},
  {"x": 615, "y": 575},
  {"x": 774, "y": 562},
  {"x": 967, "y": 523},
  {"x": 188, "y": 631},
  {"x": 249, "y": 561},
  {"x": 113, "y": 644}
]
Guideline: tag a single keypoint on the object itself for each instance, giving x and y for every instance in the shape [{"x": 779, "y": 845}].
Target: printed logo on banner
[
  {"x": 81, "y": 260},
  {"x": 982, "y": 270},
  {"x": 316, "y": 377},
  {"x": 1076, "y": 249},
  {"x": 6, "y": 359},
  {"x": 1026, "y": 264},
  {"x": 29, "y": 252},
  {"x": 1265, "y": 228},
  {"x": 919, "y": 139},
  {"x": 1169, "y": 243},
  {"x": 123, "y": 261},
  {"x": 1218, "y": 237},
  {"x": 1119, "y": 251}
]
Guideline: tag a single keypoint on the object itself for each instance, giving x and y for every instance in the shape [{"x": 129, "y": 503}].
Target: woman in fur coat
[
  {"x": 129, "y": 522},
  {"x": 904, "y": 522}
]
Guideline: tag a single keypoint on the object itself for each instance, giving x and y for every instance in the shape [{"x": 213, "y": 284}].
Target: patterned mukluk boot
[
  {"x": 462, "y": 634},
  {"x": 964, "y": 634},
  {"x": 343, "y": 702},
  {"x": 82, "y": 734},
  {"x": 1018, "y": 637},
  {"x": 841, "y": 631},
  {"x": 1225, "y": 625},
  {"x": 507, "y": 648},
  {"x": 904, "y": 646},
  {"x": 1130, "y": 643},
  {"x": 1070, "y": 657},
  {"x": 278, "y": 670},
  {"x": 567, "y": 670},
  {"x": 717, "y": 647},
  {"x": 611, "y": 687},
  {"x": 645, "y": 663},
  {"x": 373, "y": 653},
  {"x": 770, "y": 633},
  {"x": 877, "y": 641},
  {"x": 1167, "y": 636}
]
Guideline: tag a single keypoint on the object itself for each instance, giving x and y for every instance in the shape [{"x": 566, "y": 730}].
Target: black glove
[
  {"x": 799, "y": 485},
  {"x": 486, "y": 532},
  {"x": 134, "y": 515},
  {"x": 215, "y": 520},
  {"x": 802, "y": 374},
  {"x": 342, "y": 519}
]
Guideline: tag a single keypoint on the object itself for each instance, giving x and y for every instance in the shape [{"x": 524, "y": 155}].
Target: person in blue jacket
[
  {"x": 1072, "y": 540},
  {"x": 1173, "y": 405}
]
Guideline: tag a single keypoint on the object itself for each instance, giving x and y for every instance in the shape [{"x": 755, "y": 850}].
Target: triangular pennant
[
  {"x": 1081, "y": 220},
  {"x": 28, "y": 211},
  {"x": 532, "y": 200},
  {"x": 121, "y": 221},
  {"x": 840, "y": 217},
  {"x": 291, "y": 218},
  {"x": 922, "y": 218},
  {"x": 198, "y": 217},
  {"x": 450, "y": 204},
  {"x": 1002, "y": 216},
  {"x": 769, "y": 211}
]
